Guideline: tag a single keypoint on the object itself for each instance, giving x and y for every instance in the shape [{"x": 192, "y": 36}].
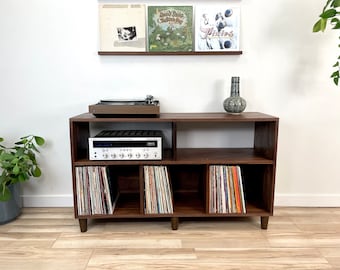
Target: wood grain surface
[{"x": 49, "y": 238}]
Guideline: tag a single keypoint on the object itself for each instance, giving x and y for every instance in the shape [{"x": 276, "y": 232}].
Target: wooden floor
[{"x": 49, "y": 238}]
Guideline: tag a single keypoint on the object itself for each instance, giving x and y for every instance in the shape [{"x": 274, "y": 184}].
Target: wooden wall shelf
[{"x": 172, "y": 53}]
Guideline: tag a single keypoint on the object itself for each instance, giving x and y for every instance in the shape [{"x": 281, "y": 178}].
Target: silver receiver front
[{"x": 126, "y": 145}]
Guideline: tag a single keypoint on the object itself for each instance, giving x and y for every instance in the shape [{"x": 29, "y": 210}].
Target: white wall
[{"x": 50, "y": 71}]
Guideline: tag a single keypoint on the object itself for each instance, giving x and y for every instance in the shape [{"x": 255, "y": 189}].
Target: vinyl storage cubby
[{"x": 187, "y": 164}]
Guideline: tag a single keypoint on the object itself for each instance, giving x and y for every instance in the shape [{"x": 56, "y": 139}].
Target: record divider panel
[{"x": 141, "y": 190}]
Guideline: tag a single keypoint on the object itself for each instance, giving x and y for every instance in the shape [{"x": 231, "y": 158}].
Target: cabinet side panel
[
  {"x": 268, "y": 188},
  {"x": 265, "y": 139},
  {"x": 79, "y": 133},
  {"x": 174, "y": 140}
]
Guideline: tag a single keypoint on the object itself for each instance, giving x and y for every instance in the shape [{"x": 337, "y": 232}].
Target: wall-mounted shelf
[{"x": 172, "y": 53}]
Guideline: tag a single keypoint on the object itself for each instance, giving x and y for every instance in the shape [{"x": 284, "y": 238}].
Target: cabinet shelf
[
  {"x": 187, "y": 167},
  {"x": 182, "y": 210},
  {"x": 192, "y": 156}
]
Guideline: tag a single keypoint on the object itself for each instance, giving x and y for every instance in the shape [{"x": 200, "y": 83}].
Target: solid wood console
[{"x": 188, "y": 167}]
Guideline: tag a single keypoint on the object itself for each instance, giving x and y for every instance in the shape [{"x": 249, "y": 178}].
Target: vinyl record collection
[
  {"x": 96, "y": 194},
  {"x": 158, "y": 198},
  {"x": 226, "y": 190}
]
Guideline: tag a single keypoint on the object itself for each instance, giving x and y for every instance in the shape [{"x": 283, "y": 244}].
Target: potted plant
[
  {"x": 330, "y": 15},
  {"x": 17, "y": 164}
]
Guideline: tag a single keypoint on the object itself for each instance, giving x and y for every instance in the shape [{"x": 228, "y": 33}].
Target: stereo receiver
[{"x": 126, "y": 145}]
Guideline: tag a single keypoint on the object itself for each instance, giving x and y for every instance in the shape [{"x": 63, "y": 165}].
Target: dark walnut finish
[
  {"x": 172, "y": 53},
  {"x": 188, "y": 167}
]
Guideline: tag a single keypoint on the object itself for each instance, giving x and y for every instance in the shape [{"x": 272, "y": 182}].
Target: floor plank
[{"x": 49, "y": 238}]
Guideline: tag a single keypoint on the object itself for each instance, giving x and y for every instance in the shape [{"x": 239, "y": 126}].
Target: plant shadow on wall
[
  {"x": 330, "y": 15},
  {"x": 17, "y": 164}
]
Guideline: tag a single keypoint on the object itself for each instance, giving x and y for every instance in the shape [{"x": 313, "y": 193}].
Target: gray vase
[
  {"x": 11, "y": 209},
  {"x": 235, "y": 103}
]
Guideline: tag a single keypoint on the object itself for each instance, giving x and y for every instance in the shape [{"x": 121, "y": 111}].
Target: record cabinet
[{"x": 193, "y": 145}]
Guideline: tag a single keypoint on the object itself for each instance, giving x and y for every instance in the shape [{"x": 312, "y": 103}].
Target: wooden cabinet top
[{"x": 182, "y": 117}]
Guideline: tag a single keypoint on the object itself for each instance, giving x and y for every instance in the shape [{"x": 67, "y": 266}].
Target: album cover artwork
[
  {"x": 217, "y": 28},
  {"x": 122, "y": 27},
  {"x": 170, "y": 28}
]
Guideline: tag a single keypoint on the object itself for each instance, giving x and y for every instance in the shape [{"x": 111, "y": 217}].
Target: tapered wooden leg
[
  {"x": 174, "y": 223},
  {"x": 264, "y": 222},
  {"x": 83, "y": 224}
]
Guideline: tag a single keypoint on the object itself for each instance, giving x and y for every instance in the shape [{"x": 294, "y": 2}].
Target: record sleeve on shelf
[
  {"x": 122, "y": 27},
  {"x": 170, "y": 28},
  {"x": 217, "y": 28}
]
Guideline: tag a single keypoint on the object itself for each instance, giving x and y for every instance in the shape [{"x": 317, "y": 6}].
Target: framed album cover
[
  {"x": 122, "y": 27},
  {"x": 170, "y": 28},
  {"x": 217, "y": 28}
]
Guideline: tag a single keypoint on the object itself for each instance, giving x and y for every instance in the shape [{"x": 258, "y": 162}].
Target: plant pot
[{"x": 11, "y": 209}]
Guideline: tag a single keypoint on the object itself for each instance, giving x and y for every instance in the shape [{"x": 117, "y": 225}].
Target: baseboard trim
[
  {"x": 63, "y": 200},
  {"x": 307, "y": 200},
  {"x": 297, "y": 200}
]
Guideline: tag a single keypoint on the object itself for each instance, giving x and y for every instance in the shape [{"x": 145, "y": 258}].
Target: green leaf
[
  {"x": 336, "y": 23},
  {"x": 5, "y": 194},
  {"x": 21, "y": 142},
  {"x": 336, "y": 3},
  {"x": 320, "y": 25},
  {"x": 336, "y": 80},
  {"x": 39, "y": 140},
  {"x": 335, "y": 74},
  {"x": 329, "y": 13},
  {"x": 21, "y": 177},
  {"x": 15, "y": 160},
  {"x": 20, "y": 152},
  {"x": 36, "y": 172},
  {"x": 7, "y": 157},
  {"x": 336, "y": 64},
  {"x": 336, "y": 26},
  {"x": 16, "y": 169},
  {"x": 1, "y": 139},
  {"x": 317, "y": 26}
]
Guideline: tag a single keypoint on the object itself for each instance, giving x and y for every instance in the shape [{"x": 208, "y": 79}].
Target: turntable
[{"x": 148, "y": 107}]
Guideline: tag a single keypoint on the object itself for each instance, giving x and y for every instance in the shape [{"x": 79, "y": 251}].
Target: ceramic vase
[{"x": 235, "y": 103}]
